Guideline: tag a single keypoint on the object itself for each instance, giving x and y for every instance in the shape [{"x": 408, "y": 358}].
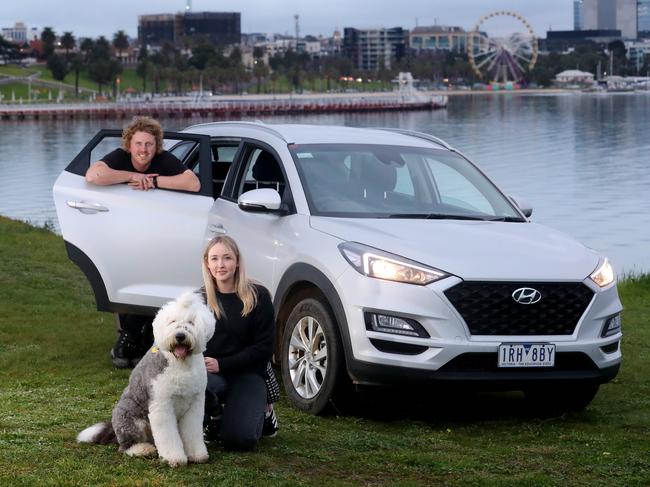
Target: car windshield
[{"x": 380, "y": 181}]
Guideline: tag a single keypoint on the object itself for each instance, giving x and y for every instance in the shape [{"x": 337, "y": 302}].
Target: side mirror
[
  {"x": 525, "y": 207},
  {"x": 261, "y": 200}
]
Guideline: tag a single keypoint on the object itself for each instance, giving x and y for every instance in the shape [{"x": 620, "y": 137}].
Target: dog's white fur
[{"x": 162, "y": 407}]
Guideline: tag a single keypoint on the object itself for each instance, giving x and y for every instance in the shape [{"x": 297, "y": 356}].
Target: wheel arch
[{"x": 299, "y": 281}]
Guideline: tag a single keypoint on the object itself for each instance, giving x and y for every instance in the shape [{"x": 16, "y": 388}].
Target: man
[{"x": 142, "y": 163}]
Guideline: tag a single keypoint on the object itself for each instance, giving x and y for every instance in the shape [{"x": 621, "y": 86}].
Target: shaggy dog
[{"x": 162, "y": 407}]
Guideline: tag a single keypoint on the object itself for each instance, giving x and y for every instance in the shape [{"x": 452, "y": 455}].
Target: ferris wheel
[{"x": 502, "y": 58}]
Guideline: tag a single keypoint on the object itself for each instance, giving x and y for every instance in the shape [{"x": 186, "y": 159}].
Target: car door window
[
  {"x": 262, "y": 170},
  {"x": 222, "y": 158},
  {"x": 182, "y": 149}
]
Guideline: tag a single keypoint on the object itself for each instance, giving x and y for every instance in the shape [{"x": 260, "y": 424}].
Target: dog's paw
[
  {"x": 141, "y": 450},
  {"x": 199, "y": 458},
  {"x": 178, "y": 461}
]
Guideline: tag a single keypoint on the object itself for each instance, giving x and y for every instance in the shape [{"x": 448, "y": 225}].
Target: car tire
[
  {"x": 312, "y": 355},
  {"x": 558, "y": 399}
]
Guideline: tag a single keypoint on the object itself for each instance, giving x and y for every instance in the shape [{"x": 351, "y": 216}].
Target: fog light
[
  {"x": 394, "y": 325},
  {"x": 612, "y": 326}
]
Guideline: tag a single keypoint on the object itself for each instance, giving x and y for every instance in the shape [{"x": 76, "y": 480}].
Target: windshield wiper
[
  {"x": 434, "y": 216},
  {"x": 448, "y": 216},
  {"x": 505, "y": 219}
]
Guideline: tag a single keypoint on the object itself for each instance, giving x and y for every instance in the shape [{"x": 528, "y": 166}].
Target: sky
[{"x": 87, "y": 18}]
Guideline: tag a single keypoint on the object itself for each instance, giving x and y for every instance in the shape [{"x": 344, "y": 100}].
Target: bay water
[{"x": 581, "y": 160}]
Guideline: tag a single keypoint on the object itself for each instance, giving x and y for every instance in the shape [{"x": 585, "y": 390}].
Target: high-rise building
[
  {"x": 371, "y": 49},
  {"x": 643, "y": 18},
  {"x": 611, "y": 15},
  {"x": 577, "y": 15},
  {"x": 157, "y": 30},
  {"x": 220, "y": 27}
]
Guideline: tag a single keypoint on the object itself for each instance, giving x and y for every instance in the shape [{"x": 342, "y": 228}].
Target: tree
[
  {"x": 203, "y": 54},
  {"x": 100, "y": 68},
  {"x": 143, "y": 67},
  {"x": 120, "y": 42},
  {"x": 68, "y": 42},
  {"x": 76, "y": 63},
  {"x": 260, "y": 69},
  {"x": 48, "y": 37},
  {"x": 58, "y": 66},
  {"x": 86, "y": 47},
  {"x": 8, "y": 50}
]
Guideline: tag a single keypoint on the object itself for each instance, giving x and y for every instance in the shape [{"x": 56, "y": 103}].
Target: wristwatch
[{"x": 155, "y": 181}]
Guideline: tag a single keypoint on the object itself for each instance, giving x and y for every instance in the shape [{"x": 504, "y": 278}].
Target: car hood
[{"x": 472, "y": 250}]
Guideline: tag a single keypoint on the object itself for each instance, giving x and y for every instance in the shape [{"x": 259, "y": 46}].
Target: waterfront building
[
  {"x": 439, "y": 37},
  {"x": 611, "y": 15},
  {"x": 643, "y": 18},
  {"x": 371, "y": 49},
  {"x": 254, "y": 39},
  {"x": 574, "y": 78},
  {"x": 17, "y": 34},
  {"x": 564, "y": 40},
  {"x": 222, "y": 28},
  {"x": 578, "y": 21},
  {"x": 156, "y": 30},
  {"x": 639, "y": 54}
]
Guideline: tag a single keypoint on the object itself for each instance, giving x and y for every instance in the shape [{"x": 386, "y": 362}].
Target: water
[{"x": 581, "y": 160}]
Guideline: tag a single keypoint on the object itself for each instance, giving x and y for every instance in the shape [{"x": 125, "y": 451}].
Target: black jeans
[{"x": 244, "y": 396}]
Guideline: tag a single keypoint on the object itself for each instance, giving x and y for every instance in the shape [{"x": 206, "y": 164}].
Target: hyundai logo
[{"x": 526, "y": 295}]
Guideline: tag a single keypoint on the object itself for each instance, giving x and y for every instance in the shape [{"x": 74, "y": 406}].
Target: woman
[{"x": 237, "y": 356}]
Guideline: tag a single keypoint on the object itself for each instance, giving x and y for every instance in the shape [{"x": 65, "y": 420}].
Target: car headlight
[
  {"x": 376, "y": 263},
  {"x": 604, "y": 275}
]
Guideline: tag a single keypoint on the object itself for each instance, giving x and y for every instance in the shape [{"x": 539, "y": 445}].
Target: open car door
[{"x": 138, "y": 249}]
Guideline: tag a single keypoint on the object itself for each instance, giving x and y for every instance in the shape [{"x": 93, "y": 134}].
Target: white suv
[{"x": 391, "y": 259}]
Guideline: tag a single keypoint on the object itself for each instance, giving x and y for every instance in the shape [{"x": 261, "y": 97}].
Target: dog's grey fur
[{"x": 164, "y": 401}]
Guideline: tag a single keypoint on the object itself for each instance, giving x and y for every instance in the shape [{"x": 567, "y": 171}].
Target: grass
[{"x": 56, "y": 378}]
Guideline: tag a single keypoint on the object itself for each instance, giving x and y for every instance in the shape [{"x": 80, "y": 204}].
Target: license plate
[{"x": 526, "y": 355}]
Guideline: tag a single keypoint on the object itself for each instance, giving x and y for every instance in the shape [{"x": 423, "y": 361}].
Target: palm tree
[
  {"x": 68, "y": 42},
  {"x": 76, "y": 63},
  {"x": 120, "y": 42},
  {"x": 86, "y": 47},
  {"x": 48, "y": 37}
]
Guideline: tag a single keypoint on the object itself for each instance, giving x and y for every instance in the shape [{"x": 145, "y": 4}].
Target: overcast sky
[{"x": 88, "y": 18}]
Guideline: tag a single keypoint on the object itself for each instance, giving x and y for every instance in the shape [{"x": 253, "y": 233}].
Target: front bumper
[{"x": 451, "y": 353}]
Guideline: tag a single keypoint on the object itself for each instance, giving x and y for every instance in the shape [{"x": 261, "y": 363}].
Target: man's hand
[
  {"x": 140, "y": 181},
  {"x": 211, "y": 365}
]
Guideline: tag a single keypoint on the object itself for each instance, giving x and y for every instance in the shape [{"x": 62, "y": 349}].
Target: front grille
[{"x": 489, "y": 309}]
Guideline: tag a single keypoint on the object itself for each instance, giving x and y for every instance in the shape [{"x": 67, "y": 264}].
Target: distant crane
[
  {"x": 188, "y": 6},
  {"x": 296, "y": 19}
]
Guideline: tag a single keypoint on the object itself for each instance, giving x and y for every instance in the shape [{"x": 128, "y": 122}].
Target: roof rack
[{"x": 421, "y": 135}]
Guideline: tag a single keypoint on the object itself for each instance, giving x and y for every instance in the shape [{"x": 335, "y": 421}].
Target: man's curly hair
[{"x": 143, "y": 124}]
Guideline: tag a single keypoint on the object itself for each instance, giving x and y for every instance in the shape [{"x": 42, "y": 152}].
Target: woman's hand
[{"x": 212, "y": 365}]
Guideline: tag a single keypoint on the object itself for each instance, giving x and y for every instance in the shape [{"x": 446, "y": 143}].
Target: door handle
[
  {"x": 86, "y": 208},
  {"x": 218, "y": 229}
]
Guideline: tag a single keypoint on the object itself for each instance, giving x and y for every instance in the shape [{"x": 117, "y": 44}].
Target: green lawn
[{"x": 56, "y": 378}]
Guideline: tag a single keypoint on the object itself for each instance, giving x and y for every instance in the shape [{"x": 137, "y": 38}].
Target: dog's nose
[{"x": 180, "y": 337}]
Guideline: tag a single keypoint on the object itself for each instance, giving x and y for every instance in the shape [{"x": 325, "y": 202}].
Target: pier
[{"x": 220, "y": 108}]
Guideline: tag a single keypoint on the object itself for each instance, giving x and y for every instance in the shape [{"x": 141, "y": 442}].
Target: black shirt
[
  {"x": 164, "y": 164},
  {"x": 243, "y": 343}
]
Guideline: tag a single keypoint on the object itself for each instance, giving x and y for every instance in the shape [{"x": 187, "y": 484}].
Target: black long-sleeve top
[{"x": 243, "y": 343}]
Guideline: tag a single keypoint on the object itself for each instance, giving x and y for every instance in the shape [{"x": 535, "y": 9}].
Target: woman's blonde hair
[
  {"x": 143, "y": 124},
  {"x": 243, "y": 285}
]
